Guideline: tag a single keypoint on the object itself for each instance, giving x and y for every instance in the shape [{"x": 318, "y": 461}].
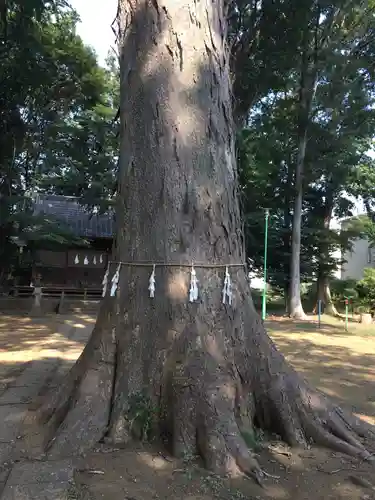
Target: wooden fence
[
  {"x": 57, "y": 292},
  {"x": 53, "y": 299}
]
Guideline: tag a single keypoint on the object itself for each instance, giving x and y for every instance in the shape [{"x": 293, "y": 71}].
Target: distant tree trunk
[
  {"x": 324, "y": 295},
  {"x": 306, "y": 96},
  {"x": 323, "y": 288},
  {"x": 295, "y": 308},
  {"x": 287, "y": 234},
  {"x": 202, "y": 373}
]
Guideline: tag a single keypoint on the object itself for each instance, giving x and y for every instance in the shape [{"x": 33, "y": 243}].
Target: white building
[{"x": 361, "y": 255}]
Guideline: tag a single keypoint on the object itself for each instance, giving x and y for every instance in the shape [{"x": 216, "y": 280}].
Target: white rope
[
  {"x": 175, "y": 264},
  {"x": 105, "y": 282},
  {"x": 193, "y": 285},
  {"x": 227, "y": 290},
  {"x": 151, "y": 286},
  {"x": 115, "y": 280}
]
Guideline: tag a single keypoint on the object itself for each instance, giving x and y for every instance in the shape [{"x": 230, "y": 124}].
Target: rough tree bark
[{"x": 208, "y": 370}]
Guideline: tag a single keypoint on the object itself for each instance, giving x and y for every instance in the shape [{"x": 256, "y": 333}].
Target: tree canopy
[{"x": 57, "y": 110}]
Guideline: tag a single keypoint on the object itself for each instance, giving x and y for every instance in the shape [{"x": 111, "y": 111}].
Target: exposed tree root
[
  {"x": 206, "y": 405},
  {"x": 70, "y": 419},
  {"x": 298, "y": 414}
]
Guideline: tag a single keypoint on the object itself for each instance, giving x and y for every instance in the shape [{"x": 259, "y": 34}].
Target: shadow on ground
[
  {"x": 146, "y": 474},
  {"x": 37, "y": 353},
  {"x": 25, "y": 335},
  {"x": 340, "y": 363}
]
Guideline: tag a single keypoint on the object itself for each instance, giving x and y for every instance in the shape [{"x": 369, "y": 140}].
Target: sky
[{"x": 95, "y": 27}]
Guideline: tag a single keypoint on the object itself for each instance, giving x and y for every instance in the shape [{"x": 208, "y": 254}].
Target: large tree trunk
[{"x": 197, "y": 374}]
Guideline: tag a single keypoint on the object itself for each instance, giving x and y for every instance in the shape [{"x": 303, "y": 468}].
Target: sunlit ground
[
  {"x": 340, "y": 363},
  {"x": 24, "y": 339}
]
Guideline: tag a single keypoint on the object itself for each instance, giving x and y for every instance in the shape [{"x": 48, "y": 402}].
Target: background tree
[
  {"x": 57, "y": 108},
  {"x": 340, "y": 125}
]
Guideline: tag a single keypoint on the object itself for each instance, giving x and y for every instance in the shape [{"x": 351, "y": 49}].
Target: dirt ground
[{"x": 341, "y": 364}]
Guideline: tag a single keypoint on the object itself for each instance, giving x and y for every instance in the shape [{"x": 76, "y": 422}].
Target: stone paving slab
[
  {"x": 11, "y": 418},
  {"x": 42, "y": 359},
  {"x": 43, "y": 491},
  {"x": 3, "y": 479},
  {"x": 35, "y": 374},
  {"x": 9, "y": 375},
  {"x": 56, "y": 471},
  {"x": 39, "y": 481},
  {"x": 6, "y": 453},
  {"x": 19, "y": 395}
]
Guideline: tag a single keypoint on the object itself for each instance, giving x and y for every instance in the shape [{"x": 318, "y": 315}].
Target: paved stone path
[{"x": 34, "y": 354}]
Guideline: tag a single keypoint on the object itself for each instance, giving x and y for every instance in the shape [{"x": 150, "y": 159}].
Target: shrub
[
  {"x": 340, "y": 289},
  {"x": 366, "y": 289}
]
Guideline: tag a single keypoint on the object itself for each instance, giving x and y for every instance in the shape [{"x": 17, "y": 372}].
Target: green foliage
[
  {"x": 361, "y": 293},
  {"x": 263, "y": 37},
  {"x": 57, "y": 130},
  {"x": 253, "y": 439},
  {"x": 340, "y": 135},
  {"x": 366, "y": 288},
  {"x": 363, "y": 306},
  {"x": 142, "y": 416},
  {"x": 341, "y": 289},
  {"x": 83, "y": 152}
]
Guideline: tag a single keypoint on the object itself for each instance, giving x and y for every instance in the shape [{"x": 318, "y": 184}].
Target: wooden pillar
[
  {"x": 60, "y": 305},
  {"x": 36, "y": 309}
]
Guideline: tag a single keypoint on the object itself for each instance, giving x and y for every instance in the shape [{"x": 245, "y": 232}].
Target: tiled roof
[{"x": 81, "y": 222}]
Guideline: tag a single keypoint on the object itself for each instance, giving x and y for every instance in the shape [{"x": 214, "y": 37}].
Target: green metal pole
[
  {"x": 346, "y": 314},
  {"x": 264, "y": 298}
]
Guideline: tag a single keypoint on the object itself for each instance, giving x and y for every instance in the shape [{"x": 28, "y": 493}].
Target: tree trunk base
[
  {"x": 209, "y": 414},
  {"x": 296, "y": 310},
  {"x": 299, "y": 315},
  {"x": 71, "y": 420},
  {"x": 330, "y": 310}
]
